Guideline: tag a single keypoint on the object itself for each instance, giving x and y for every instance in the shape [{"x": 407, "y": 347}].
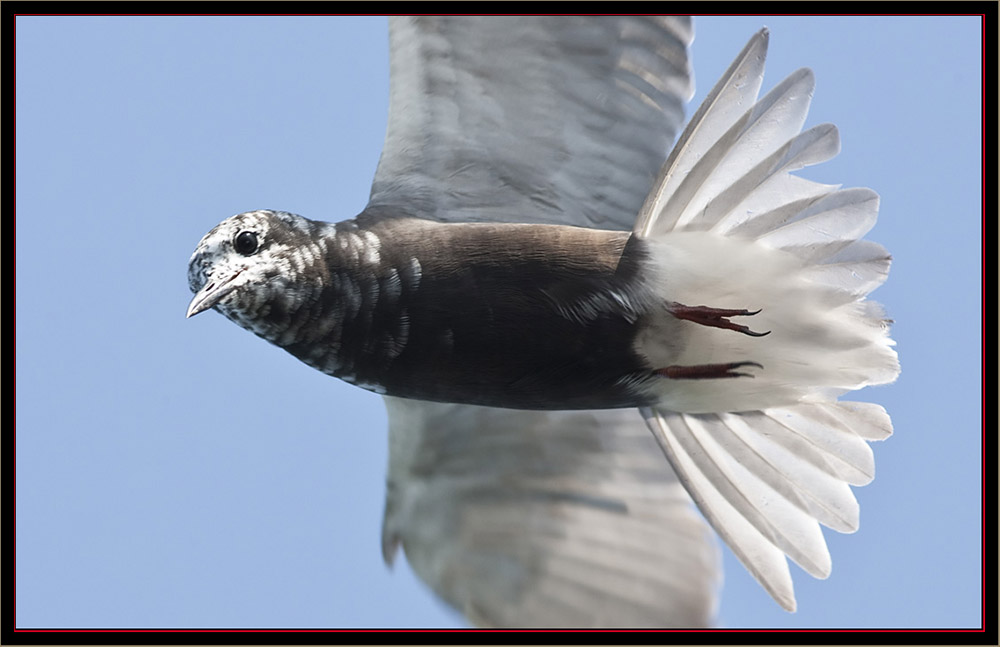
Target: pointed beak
[{"x": 211, "y": 294}]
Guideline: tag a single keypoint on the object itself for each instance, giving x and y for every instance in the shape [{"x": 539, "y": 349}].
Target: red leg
[
  {"x": 705, "y": 371},
  {"x": 714, "y": 317}
]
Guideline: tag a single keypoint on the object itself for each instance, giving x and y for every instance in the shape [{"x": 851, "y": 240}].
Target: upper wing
[
  {"x": 531, "y": 119},
  {"x": 531, "y": 518}
]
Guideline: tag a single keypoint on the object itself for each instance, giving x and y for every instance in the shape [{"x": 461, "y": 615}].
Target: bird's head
[{"x": 247, "y": 265}]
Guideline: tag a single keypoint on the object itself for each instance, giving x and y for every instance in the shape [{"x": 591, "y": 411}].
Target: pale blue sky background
[{"x": 176, "y": 472}]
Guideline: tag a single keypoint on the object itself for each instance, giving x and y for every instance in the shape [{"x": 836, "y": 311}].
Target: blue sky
[{"x": 177, "y": 473}]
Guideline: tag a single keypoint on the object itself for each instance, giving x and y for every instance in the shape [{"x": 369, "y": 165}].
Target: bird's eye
[{"x": 245, "y": 243}]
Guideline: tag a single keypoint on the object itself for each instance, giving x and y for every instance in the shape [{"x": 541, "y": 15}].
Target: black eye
[{"x": 245, "y": 243}]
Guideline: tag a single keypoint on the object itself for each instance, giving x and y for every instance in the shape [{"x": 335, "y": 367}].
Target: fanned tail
[{"x": 766, "y": 451}]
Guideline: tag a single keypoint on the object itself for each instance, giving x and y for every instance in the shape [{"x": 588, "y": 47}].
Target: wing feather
[
  {"x": 530, "y": 119},
  {"x": 528, "y": 518}
]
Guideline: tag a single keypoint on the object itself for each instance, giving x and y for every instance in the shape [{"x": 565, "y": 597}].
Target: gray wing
[
  {"x": 531, "y": 119},
  {"x": 531, "y": 518}
]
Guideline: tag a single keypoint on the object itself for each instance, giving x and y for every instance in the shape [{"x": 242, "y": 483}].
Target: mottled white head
[{"x": 250, "y": 268}]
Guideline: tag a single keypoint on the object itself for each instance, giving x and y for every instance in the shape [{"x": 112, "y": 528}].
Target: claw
[
  {"x": 714, "y": 317},
  {"x": 706, "y": 371}
]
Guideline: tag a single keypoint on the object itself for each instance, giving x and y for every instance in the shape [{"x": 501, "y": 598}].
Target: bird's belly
[
  {"x": 527, "y": 317},
  {"x": 549, "y": 364}
]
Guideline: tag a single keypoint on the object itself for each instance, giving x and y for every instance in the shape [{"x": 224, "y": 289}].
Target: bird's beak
[{"x": 211, "y": 294}]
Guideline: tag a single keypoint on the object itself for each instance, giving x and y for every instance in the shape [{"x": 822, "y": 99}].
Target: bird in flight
[{"x": 533, "y": 267}]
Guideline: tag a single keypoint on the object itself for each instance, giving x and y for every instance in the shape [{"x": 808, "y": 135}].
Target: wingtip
[{"x": 390, "y": 546}]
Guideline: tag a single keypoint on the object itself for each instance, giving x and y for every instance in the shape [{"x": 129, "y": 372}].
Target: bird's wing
[
  {"x": 530, "y": 518},
  {"x": 530, "y": 119}
]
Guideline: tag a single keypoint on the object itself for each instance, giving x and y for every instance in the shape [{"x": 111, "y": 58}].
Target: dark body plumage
[{"x": 524, "y": 316}]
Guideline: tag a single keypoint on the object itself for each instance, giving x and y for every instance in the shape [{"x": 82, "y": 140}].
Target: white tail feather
[
  {"x": 767, "y": 458},
  {"x": 723, "y": 105}
]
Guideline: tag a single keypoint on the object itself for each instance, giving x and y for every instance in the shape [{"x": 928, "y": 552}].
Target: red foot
[
  {"x": 714, "y": 317},
  {"x": 705, "y": 371}
]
